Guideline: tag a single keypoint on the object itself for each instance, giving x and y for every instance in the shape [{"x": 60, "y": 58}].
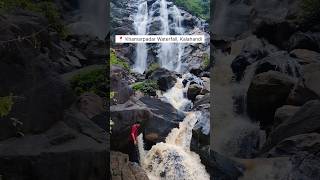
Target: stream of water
[
  {"x": 169, "y": 54},
  {"x": 171, "y": 159}
]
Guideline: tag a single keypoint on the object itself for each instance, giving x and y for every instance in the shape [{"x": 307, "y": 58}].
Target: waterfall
[
  {"x": 180, "y": 31},
  {"x": 173, "y": 159},
  {"x": 169, "y": 54},
  {"x": 176, "y": 96},
  {"x": 140, "y": 26},
  {"x": 94, "y": 16}
]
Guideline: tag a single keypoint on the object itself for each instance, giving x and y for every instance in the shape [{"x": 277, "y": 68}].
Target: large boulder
[
  {"x": 247, "y": 52},
  {"x": 60, "y": 153},
  {"x": 275, "y": 32},
  {"x": 119, "y": 84},
  {"x": 165, "y": 118},
  {"x": 284, "y": 113},
  {"x": 305, "y": 166},
  {"x": 267, "y": 92},
  {"x": 279, "y": 61},
  {"x": 122, "y": 169},
  {"x": 218, "y": 166},
  {"x": 123, "y": 117},
  {"x": 243, "y": 60},
  {"x": 296, "y": 145},
  {"x": 305, "y": 40},
  {"x": 193, "y": 91},
  {"x": 306, "y": 120},
  {"x": 165, "y": 79},
  {"x": 305, "y": 56},
  {"x": 234, "y": 18},
  {"x": 307, "y": 88}
]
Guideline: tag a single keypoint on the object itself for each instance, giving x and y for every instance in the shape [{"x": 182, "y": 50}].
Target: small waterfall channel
[{"x": 173, "y": 158}]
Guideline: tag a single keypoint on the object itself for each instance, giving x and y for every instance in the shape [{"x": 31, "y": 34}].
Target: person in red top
[{"x": 133, "y": 143}]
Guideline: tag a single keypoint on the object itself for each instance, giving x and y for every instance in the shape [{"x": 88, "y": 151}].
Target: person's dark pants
[{"x": 133, "y": 153}]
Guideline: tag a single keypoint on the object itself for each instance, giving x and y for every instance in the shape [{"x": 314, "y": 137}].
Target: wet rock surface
[{"x": 122, "y": 169}]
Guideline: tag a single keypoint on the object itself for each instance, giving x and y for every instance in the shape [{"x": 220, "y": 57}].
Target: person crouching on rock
[{"x": 133, "y": 144}]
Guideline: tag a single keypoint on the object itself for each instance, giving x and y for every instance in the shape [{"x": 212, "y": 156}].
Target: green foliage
[
  {"x": 147, "y": 87},
  {"x": 112, "y": 94},
  {"x": 6, "y": 104},
  {"x": 200, "y": 8},
  {"x": 206, "y": 60},
  {"x": 114, "y": 60},
  {"x": 92, "y": 81},
  {"x": 45, "y": 8},
  {"x": 152, "y": 68},
  {"x": 310, "y": 11}
]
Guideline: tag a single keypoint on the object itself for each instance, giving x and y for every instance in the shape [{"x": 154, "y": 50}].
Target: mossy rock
[
  {"x": 94, "y": 80},
  {"x": 114, "y": 60},
  {"x": 6, "y": 104},
  {"x": 46, "y": 8},
  {"x": 148, "y": 87}
]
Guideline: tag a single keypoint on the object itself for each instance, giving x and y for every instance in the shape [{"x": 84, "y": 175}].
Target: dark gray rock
[
  {"x": 54, "y": 155},
  {"x": 165, "y": 79},
  {"x": 165, "y": 118},
  {"x": 305, "y": 166},
  {"x": 119, "y": 84},
  {"x": 90, "y": 104},
  {"x": 267, "y": 92},
  {"x": 193, "y": 91},
  {"x": 220, "y": 167},
  {"x": 307, "y": 88},
  {"x": 308, "y": 40},
  {"x": 234, "y": 18},
  {"x": 284, "y": 113},
  {"x": 123, "y": 117},
  {"x": 306, "y": 120},
  {"x": 122, "y": 169},
  {"x": 297, "y": 145},
  {"x": 279, "y": 61},
  {"x": 305, "y": 56}
]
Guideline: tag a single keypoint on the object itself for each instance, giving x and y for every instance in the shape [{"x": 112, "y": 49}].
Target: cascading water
[
  {"x": 169, "y": 54},
  {"x": 140, "y": 26},
  {"x": 173, "y": 159},
  {"x": 176, "y": 96}
]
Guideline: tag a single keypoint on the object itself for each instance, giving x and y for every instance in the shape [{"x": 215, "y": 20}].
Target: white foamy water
[
  {"x": 173, "y": 159},
  {"x": 169, "y": 54},
  {"x": 140, "y": 26},
  {"x": 176, "y": 96}
]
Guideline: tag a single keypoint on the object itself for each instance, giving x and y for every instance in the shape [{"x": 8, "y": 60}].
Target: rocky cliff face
[
  {"x": 273, "y": 62},
  {"x": 122, "y": 22},
  {"x": 54, "y": 128}
]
